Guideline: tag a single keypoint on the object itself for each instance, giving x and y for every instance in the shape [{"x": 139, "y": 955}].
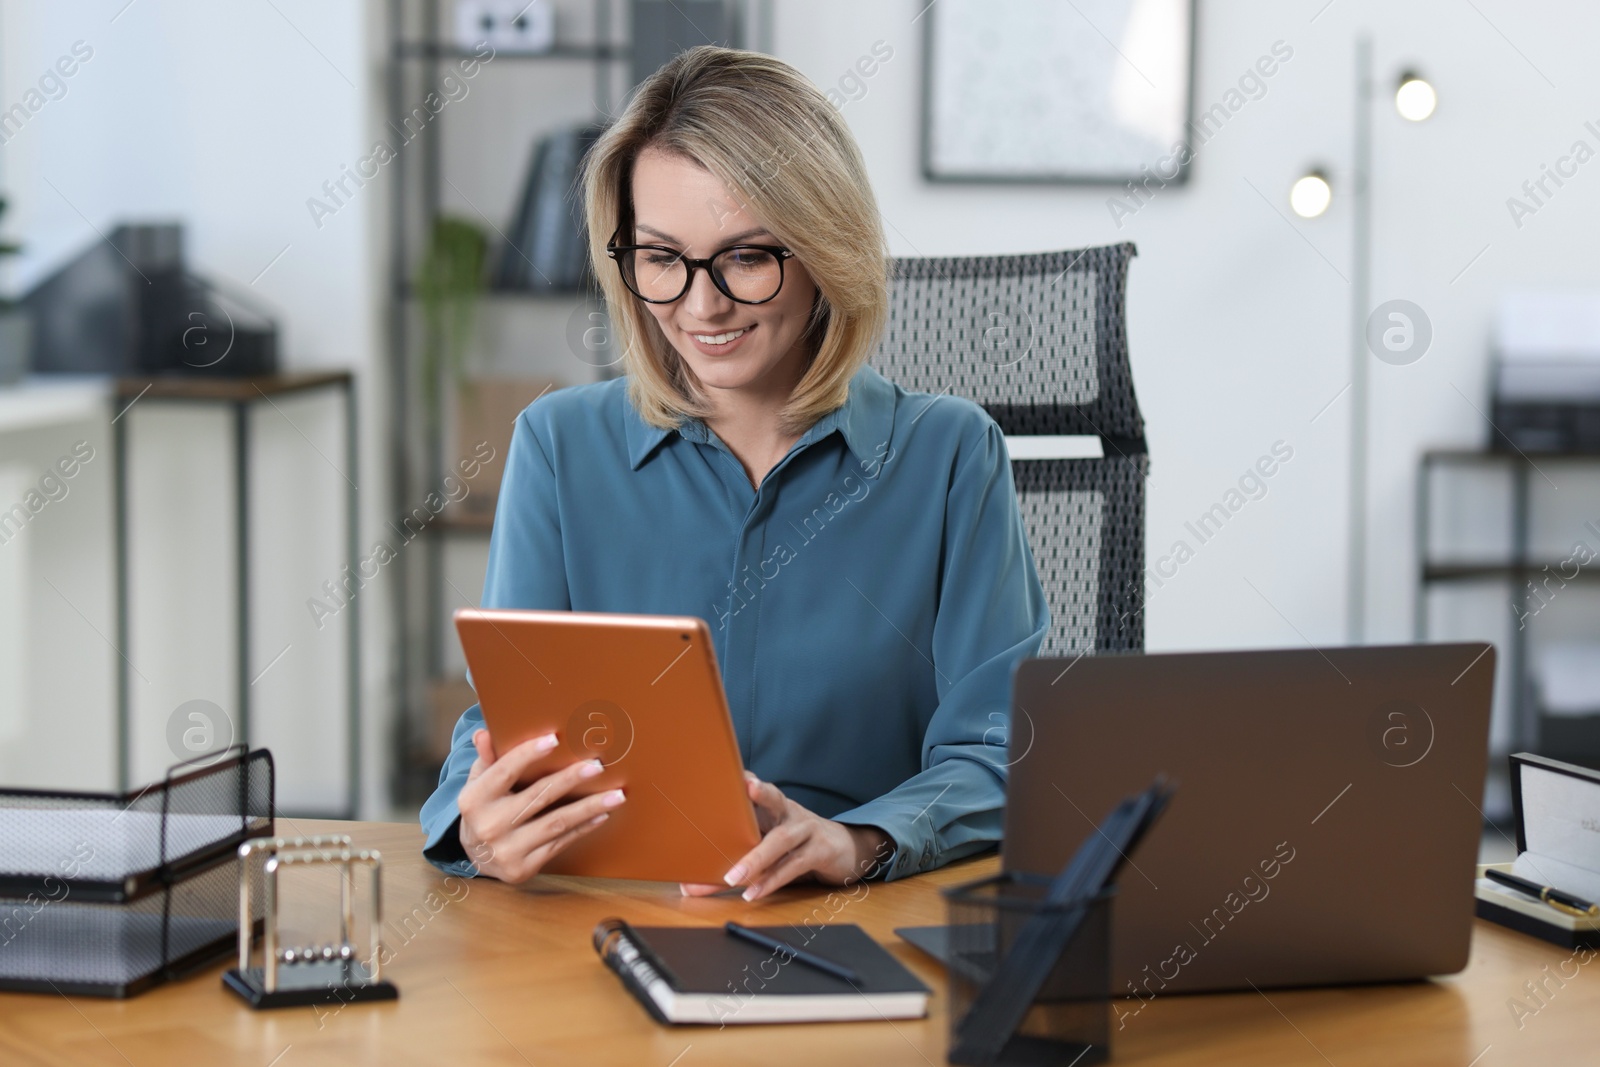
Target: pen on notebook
[
  {"x": 756, "y": 937},
  {"x": 1549, "y": 894}
]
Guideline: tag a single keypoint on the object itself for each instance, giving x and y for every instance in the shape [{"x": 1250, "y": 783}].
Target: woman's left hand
[{"x": 796, "y": 842}]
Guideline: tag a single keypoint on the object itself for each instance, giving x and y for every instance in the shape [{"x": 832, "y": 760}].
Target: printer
[
  {"x": 1546, "y": 389},
  {"x": 128, "y": 305}
]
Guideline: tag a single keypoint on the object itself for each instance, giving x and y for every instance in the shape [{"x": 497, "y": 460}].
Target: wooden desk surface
[{"x": 494, "y": 974}]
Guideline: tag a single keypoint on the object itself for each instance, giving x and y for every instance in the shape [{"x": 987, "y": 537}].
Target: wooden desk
[{"x": 492, "y": 974}]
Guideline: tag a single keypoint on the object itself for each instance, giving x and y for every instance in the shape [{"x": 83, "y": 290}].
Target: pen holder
[{"x": 1069, "y": 1019}]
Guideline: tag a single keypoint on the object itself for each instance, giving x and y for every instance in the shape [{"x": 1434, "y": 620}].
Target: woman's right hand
[{"x": 505, "y": 831}]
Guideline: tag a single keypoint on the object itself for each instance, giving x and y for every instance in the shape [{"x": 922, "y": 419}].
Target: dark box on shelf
[{"x": 1546, "y": 427}]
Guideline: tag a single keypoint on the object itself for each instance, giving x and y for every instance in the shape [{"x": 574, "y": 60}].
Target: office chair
[{"x": 1040, "y": 342}]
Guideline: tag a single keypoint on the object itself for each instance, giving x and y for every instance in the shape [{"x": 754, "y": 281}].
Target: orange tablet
[{"x": 641, "y": 693}]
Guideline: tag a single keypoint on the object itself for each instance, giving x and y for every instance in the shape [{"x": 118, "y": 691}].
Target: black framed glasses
[{"x": 657, "y": 274}]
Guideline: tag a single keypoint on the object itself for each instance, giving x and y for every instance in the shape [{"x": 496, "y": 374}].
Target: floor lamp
[{"x": 1414, "y": 100}]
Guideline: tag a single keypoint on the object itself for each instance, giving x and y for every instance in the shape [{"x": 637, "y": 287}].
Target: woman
[{"x": 856, "y": 549}]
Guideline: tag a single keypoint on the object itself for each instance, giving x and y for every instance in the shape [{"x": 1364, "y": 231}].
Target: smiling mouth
[{"x": 721, "y": 338}]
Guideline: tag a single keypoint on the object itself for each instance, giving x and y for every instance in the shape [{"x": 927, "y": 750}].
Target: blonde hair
[{"x": 785, "y": 155}]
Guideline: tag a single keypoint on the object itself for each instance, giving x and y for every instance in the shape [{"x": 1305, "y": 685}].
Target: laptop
[{"x": 1326, "y": 824}]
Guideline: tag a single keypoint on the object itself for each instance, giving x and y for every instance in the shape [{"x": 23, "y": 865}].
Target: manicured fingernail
[
  {"x": 749, "y": 894},
  {"x": 598, "y": 819},
  {"x": 735, "y": 876},
  {"x": 590, "y": 769},
  {"x": 613, "y": 798},
  {"x": 545, "y": 743}
]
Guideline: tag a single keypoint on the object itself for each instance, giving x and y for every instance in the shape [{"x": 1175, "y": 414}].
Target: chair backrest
[{"x": 1040, "y": 342}]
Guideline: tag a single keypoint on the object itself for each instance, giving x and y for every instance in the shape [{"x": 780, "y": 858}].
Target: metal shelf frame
[
  {"x": 1517, "y": 568},
  {"x": 417, "y": 49},
  {"x": 239, "y": 395}
]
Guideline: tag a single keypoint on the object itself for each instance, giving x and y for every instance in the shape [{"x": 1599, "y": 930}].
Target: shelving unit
[
  {"x": 426, "y": 50},
  {"x": 1516, "y": 568},
  {"x": 418, "y": 55},
  {"x": 419, "y": 52}
]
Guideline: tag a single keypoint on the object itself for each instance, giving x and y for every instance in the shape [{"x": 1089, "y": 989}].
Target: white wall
[
  {"x": 228, "y": 117},
  {"x": 57, "y": 680},
  {"x": 1238, "y": 319}
]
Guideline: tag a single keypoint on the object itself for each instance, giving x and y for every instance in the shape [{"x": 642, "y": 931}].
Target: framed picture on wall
[{"x": 1091, "y": 91}]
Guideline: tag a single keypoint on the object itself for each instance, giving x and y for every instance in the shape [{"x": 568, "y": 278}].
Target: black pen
[
  {"x": 756, "y": 937},
  {"x": 1549, "y": 894}
]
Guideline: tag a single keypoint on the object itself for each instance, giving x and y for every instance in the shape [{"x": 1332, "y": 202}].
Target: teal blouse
[{"x": 868, "y": 601}]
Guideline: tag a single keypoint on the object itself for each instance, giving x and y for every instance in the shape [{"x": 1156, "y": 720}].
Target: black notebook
[{"x": 699, "y": 974}]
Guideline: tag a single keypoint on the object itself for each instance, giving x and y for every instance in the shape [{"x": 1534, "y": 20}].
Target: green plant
[
  {"x": 7, "y": 248},
  {"x": 449, "y": 283}
]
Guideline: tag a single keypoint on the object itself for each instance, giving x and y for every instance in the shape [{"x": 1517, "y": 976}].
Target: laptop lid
[{"x": 1326, "y": 823}]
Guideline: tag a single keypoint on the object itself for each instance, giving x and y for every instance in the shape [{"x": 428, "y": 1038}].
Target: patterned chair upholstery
[{"x": 1040, "y": 342}]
